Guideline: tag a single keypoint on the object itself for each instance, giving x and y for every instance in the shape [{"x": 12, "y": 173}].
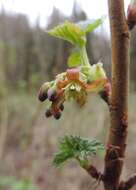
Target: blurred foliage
[{"x": 11, "y": 183}]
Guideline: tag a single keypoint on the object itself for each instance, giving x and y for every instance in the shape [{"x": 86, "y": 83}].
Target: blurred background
[{"x": 29, "y": 57}]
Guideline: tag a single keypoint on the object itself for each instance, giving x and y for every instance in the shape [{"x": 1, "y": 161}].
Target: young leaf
[
  {"x": 89, "y": 26},
  {"x": 75, "y": 147},
  {"x": 74, "y": 59},
  {"x": 69, "y": 32}
]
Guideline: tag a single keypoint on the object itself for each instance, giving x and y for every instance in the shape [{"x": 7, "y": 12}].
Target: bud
[
  {"x": 48, "y": 113},
  {"x": 106, "y": 92},
  {"x": 73, "y": 74},
  {"x": 57, "y": 115},
  {"x": 42, "y": 96},
  {"x": 107, "y": 88},
  {"x": 131, "y": 14},
  {"x": 52, "y": 94}
]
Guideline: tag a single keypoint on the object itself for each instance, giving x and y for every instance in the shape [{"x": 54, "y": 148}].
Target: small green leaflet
[
  {"x": 69, "y": 32},
  {"x": 75, "y": 147},
  {"x": 89, "y": 26},
  {"x": 74, "y": 59}
]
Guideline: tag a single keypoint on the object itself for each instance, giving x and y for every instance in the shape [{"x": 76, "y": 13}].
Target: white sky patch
[{"x": 42, "y": 8}]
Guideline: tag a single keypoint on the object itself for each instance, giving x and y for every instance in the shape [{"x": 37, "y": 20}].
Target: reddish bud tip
[
  {"x": 57, "y": 115},
  {"x": 48, "y": 113}
]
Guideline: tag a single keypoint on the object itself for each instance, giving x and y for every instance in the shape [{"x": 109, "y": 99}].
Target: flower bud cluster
[
  {"x": 75, "y": 84},
  {"x": 55, "y": 96}
]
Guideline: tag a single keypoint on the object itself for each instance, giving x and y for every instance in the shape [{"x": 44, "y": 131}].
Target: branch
[
  {"x": 93, "y": 172},
  {"x": 119, "y": 96},
  {"x": 126, "y": 185}
]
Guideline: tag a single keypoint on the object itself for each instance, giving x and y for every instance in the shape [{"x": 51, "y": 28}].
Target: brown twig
[
  {"x": 119, "y": 96},
  {"x": 126, "y": 185},
  {"x": 94, "y": 173}
]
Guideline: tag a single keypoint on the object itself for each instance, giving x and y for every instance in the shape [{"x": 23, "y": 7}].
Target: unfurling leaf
[
  {"x": 69, "y": 32},
  {"x": 75, "y": 147}
]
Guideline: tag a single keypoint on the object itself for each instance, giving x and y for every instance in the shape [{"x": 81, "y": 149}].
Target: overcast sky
[{"x": 43, "y": 8}]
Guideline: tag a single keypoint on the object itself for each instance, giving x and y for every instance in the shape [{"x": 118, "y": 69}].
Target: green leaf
[
  {"x": 74, "y": 59},
  {"x": 89, "y": 26},
  {"x": 75, "y": 147},
  {"x": 69, "y": 32}
]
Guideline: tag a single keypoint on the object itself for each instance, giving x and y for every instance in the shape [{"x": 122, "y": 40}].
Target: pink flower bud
[
  {"x": 52, "y": 94},
  {"x": 131, "y": 15},
  {"x": 73, "y": 74}
]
